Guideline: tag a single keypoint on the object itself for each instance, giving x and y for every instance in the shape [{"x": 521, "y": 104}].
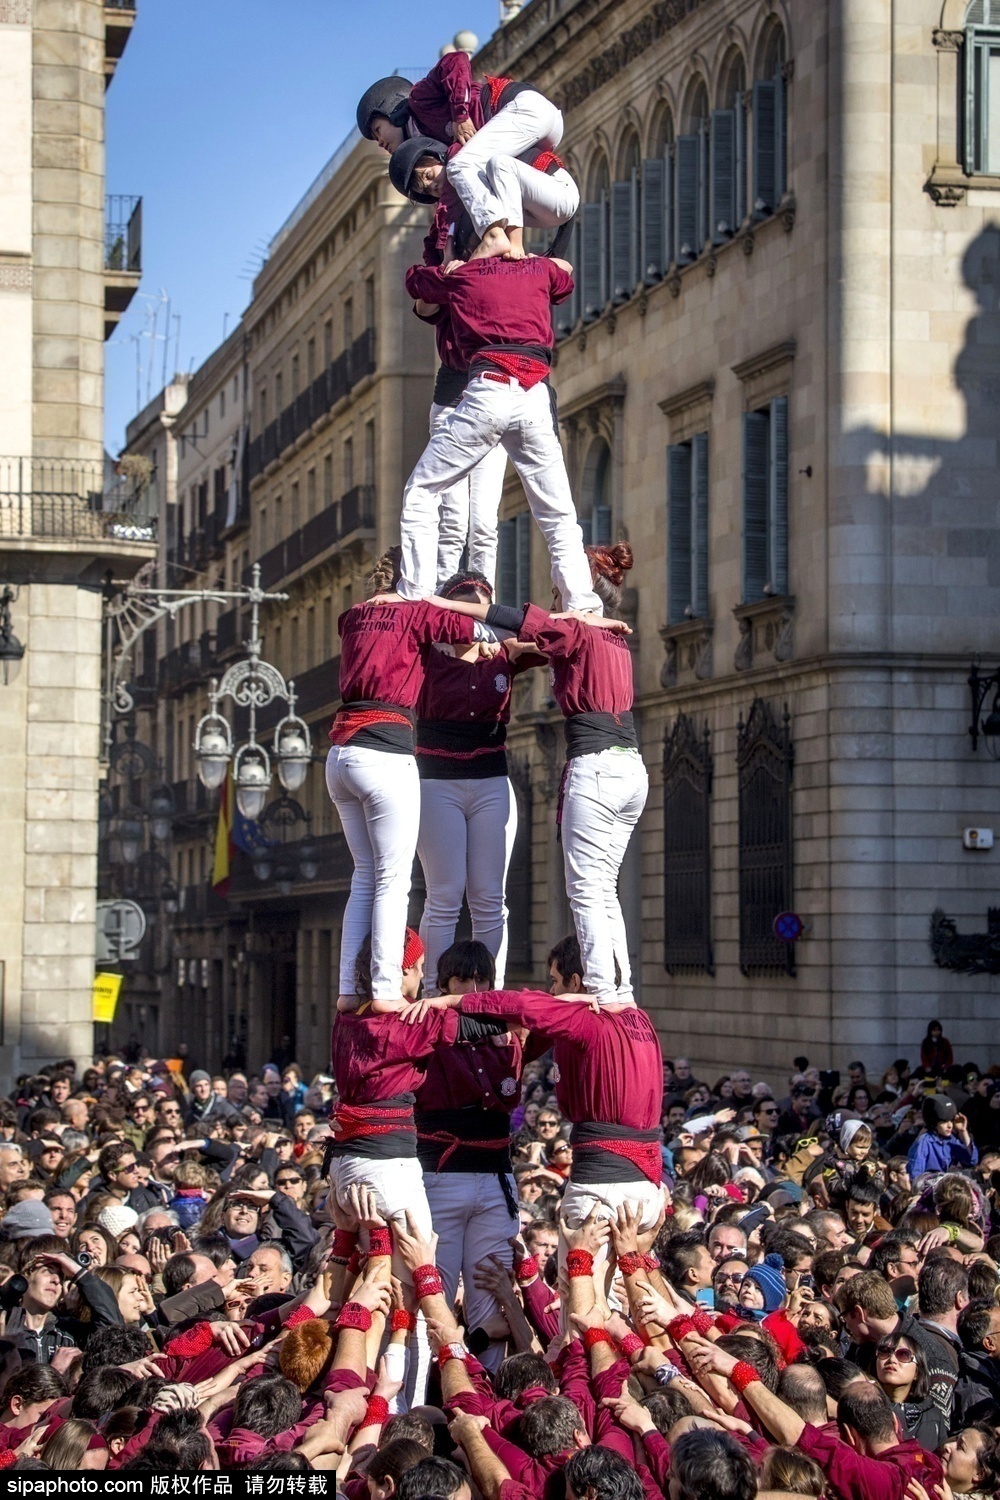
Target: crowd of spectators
[{"x": 817, "y": 1313}]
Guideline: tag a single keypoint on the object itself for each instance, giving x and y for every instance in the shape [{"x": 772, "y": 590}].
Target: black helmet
[
  {"x": 404, "y": 159},
  {"x": 936, "y": 1109},
  {"x": 383, "y": 98}
]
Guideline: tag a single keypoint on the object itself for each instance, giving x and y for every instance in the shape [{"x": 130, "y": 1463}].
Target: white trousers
[
  {"x": 580, "y": 1200},
  {"x": 469, "y": 510},
  {"x": 496, "y": 412},
  {"x": 529, "y": 198},
  {"x": 603, "y": 797},
  {"x": 377, "y": 796},
  {"x": 467, "y": 831},
  {"x": 398, "y": 1185},
  {"x": 472, "y": 1221},
  {"x": 529, "y": 122}
]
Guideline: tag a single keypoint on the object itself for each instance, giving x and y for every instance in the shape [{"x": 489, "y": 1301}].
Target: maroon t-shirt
[
  {"x": 444, "y": 97},
  {"x": 494, "y": 300},
  {"x": 463, "y": 713},
  {"x": 610, "y": 1064},
  {"x": 467, "y": 1095},
  {"x": 591, "y": 668},
  {"x": 378, "y": 1057},
  {"x": 383, "y": 649}
]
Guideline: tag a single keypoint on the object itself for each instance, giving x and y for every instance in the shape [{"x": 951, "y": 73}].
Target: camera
[
  {"x": 11, "y": 1292},
  {"x": 84, "y": 1259}
]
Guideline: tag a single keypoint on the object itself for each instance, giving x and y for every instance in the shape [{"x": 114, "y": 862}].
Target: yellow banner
[{"x": 107, "y": 988}]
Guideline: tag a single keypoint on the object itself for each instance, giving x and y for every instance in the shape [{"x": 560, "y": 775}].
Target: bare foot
[
  {"x": 493, "y": 243},
  {"x": 516, "y": 237}
]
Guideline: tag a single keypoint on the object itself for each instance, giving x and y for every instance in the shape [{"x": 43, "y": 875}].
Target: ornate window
[
  {"x": 770, "y": 127},
  {"x": 687, "y": 861},
  {"x": 514, "y": 560},
  {"x": 728, "y": 169},
  {"x": 595, "y": 496},
  {"x": 687, "y": 529},
  {"x": 982, "y": 87},
  {"x": 764, "y": 759}
]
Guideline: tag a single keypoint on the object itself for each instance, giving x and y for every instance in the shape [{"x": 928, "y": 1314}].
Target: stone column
[{"x": 62, "y": 662}]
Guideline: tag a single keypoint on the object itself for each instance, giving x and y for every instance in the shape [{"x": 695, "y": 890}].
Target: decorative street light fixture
[
  {"x": 11, "y": 649},
  {"x": 161, "y": 813},
  {"x": 278, "y": 853}
]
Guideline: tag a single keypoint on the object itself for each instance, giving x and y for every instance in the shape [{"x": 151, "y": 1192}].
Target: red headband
[
  {"x": 477, "y": 585},
  {"x": 413, "y": 949}
]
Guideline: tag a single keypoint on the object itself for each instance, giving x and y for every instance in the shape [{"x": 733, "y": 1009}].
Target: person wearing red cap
[{"x": 371, "y": 770}]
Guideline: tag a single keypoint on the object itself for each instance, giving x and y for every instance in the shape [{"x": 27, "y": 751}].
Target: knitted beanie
[
  {"x": 413, "y": 949},
  {"x": 769, "y": 1275}
]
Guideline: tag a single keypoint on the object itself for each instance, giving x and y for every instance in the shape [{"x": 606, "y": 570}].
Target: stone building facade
[
  {"x": 69, "y": 263},
  {"x": 774, "y": 382},
  {"x": 305, "y": 425}
]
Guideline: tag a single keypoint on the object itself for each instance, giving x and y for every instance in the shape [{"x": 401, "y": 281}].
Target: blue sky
[{"x": 220, "y": 115}]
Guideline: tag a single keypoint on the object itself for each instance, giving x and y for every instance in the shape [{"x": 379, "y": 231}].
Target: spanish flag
[{"x": 224, "y": 840}]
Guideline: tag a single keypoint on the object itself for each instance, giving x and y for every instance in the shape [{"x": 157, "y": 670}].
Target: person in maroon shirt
[
  {"x": 605, "y": 783},
  {"x": 463, "y": 1142},
  {"x": 610, "y": 1087},
  {"x": 502, "y": 328},
  {"x": 468, "y": 811},
  {"x": 371, "y": 770},
  {"x": 489, "y": 120}
]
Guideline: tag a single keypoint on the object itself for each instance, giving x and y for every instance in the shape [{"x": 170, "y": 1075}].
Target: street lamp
[
  {"x": 252, "y": 684},
  {"x": 161, "y": 813},
  {"x": 278, "y": 853},
  {"x": 986, "y": 725},
  {"x": 128, "y": 829},
  {"x": 11, "y": 649}
]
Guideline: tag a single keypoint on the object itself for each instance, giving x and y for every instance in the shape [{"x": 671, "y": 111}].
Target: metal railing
[
  {"x": 75, "y": 500},
  {"x": 123, "y": 233},
  {"x": 120, "y": 4},
  {"x": 354, "y": 511},
  {"x": 330, "y": 386}
]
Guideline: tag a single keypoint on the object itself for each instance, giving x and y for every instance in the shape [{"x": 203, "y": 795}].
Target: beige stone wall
[
  {"x": 888, "y": 299},
  {"x": 68, "y": 192},
  {"x": 15, "y": 232},
  {"x": 60, "y": 829}
]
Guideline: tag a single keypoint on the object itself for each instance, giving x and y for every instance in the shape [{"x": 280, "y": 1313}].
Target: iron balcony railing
[
  {"x": 73, "y": 500},
  {"x": 123, "y": 232},
  {"x": 120, "y": 4},
  {"x": 354, "y": 511},
  {"x": 330, "y": 386}
]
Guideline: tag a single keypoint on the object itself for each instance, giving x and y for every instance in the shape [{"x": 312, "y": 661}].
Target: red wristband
[
  {"x": 8, "y": 1458},
  {"x": 427, "y": 1281},
  {"x": 681, "y": 1328},
  {"x": 527, "y": 1270},
  {"x": 376, "y": 1412},
  {"x": 579, "y": 1263},
  {"x": 353, "y": 1315},
  {"x": 743, "y": 1375},
  {"x": 652, "y": 1262},
  {"x": 446, "y": 1353},
  {"x": 402, "y": 1319},
  {"x": 702, "y": 1322},
  {"x": 594, "y": 1336},
  {"x": 380, "y": 1241},
  {"x": 631, "y": 1344},
  {"x": 343, "y": 1243},
  {"x": 631, "y": 1264}
]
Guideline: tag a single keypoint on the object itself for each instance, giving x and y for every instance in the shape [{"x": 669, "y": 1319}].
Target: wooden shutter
[
  {"x": 622, "y": 241},
  {"x": 592, "y": 260},
  {"x": 668, "y": 202},
  {"x": 507, "y": 562},
  {"x": 699, "y": 525},
  {"x": 723, "y": 175},
  {"x": 765, "y": 181},
  {"x": 686, "y": 216},
  {"x": 778, "y": 496},
  {"x": 652, "y": 235},
  {"x": 756, "y": 432},
  {"x": 522, "y": 534},
  {"x": 704, "y": 173},
  {"x": 678, "y": 531},
  {"x": 564, "y": 317},
  {"x": 741, "y": 158}
]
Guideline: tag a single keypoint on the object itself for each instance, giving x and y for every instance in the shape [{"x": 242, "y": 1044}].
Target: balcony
[
  {"x": 316, "y": 401},
  {"x": 231, "y": 629},
  {"x": 337, "y": 524},
  {"x": 187, "y": 664},
  {"x": 51, "y": 501},
  {"x": 119, "y": 18},
  {"x": 122, "y": 256}
]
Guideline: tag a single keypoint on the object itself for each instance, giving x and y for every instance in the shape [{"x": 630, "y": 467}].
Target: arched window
[
  {"x": 982, "y": 87},
  {"x": 727, "y": 166},
  {"x": 625, "y": 270},
  {"x": 656, "y": 200},
  {"x": 592, "y": 240},
  {"x": 598, "y": 178},
  {"x": 770, "y": 131},
  {"x": 691, "y": 174},
  {"x": 595, "y": 495},
  {"x": 630, "y": 155}
]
